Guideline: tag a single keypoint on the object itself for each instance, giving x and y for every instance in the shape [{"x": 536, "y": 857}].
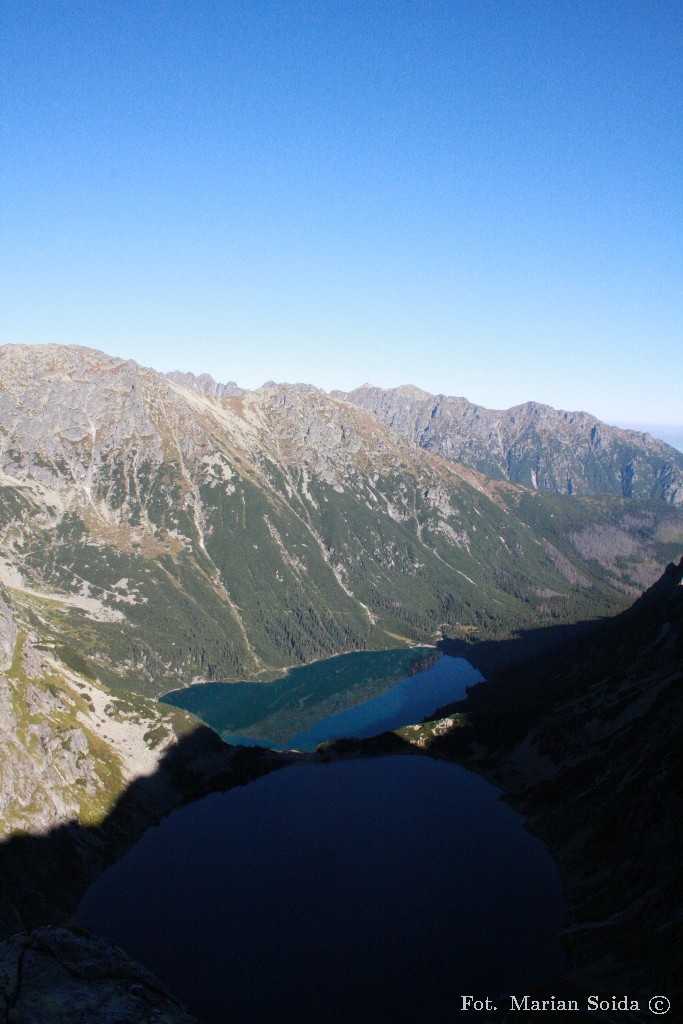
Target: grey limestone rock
[
  {"x": 531, "y": 444},
  {"x": 62, "y": 976},
  {"x": 8, "y": 635},
  {"x": 204, "y": 384}
]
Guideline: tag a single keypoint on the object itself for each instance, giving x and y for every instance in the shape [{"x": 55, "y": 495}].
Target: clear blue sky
[{"x": 480, "y": 198}]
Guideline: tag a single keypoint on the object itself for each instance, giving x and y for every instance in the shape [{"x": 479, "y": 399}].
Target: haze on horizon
[{"x": 481, "y": 199}]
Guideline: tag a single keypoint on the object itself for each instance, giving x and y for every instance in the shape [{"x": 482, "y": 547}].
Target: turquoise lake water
[
  {"x": 409, "y": 701},
  {"x": 352, "y": 695}
]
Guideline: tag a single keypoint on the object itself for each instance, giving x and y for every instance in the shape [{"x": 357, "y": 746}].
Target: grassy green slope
[
  {"x": 172, "y": 537},
  {"x": 267, "y": 588}
]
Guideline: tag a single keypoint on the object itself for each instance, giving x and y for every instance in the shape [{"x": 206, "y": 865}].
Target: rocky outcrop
[
  {"x": 64, "y": 976},
  {"x": 69, "y": 746},
  {"x": 8, "y": 635},
  {"x": 204, "y": 384},
  {"x": 531, "y": 444}
]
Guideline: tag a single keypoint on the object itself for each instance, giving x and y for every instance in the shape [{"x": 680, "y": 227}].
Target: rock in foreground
[{"x": 58, "y": 975}]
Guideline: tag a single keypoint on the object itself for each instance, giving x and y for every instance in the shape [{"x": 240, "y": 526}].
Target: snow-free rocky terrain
[
  {"x": 153, "y": 533},
  {"x": 531, "y": 444},
  {"x": 156, "y": 530}
]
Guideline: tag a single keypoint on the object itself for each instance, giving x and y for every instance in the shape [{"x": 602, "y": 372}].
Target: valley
[
  {"x": 163, "y": 534},
  {"x": 160, "y": 535}
]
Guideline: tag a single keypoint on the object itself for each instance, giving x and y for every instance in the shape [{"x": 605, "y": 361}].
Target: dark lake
[
  {"x": 374, "y": 890},
  {"x": 352, "y": 695}
]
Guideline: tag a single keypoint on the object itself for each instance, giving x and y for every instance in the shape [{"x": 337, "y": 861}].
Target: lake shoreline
[
  {"x": 284, "y": 672},
  {"x": 368, "y": 690},
  {"x": 324, "y": 849}
]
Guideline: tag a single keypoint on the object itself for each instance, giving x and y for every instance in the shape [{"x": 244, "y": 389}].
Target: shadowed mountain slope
[
  {"x": 62, "y": 974},
  {"x": 67, "y": 976},
  {"x": 43, "y": 874},
  {"x": 585, "y": 741}
]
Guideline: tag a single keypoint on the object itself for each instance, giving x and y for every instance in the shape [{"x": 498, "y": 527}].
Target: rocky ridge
[
  {"x": 170, "y": 534},
  {"x": 204, "y": 384},
  {"x": 531, "y": 444}
]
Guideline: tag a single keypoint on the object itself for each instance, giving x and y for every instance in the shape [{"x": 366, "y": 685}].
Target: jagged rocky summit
[
  {"x": 531, "y": 444},
  {"x": 204, "y": 384}
]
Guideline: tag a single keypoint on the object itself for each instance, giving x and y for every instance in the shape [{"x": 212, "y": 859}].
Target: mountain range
[
  {"x": 159, "y": 529},
  {"x": 159, "y": 532},
  {"x": 531, "y": 444},
  {"x": 163, "y": 529}
]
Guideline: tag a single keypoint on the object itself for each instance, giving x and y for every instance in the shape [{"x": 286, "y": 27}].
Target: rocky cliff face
[
  {"x": 161, "y": 533},
  {"x": 531, "y": 444},
  {"x": 70, "y": 747}
]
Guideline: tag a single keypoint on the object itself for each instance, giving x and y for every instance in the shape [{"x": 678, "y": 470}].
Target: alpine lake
[{"x": 367, "y": 890}]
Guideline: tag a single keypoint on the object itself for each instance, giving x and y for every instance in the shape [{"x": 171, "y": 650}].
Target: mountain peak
[
  {"x": 532, "y": 444},
  {"x": 204, "y": 384}
]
